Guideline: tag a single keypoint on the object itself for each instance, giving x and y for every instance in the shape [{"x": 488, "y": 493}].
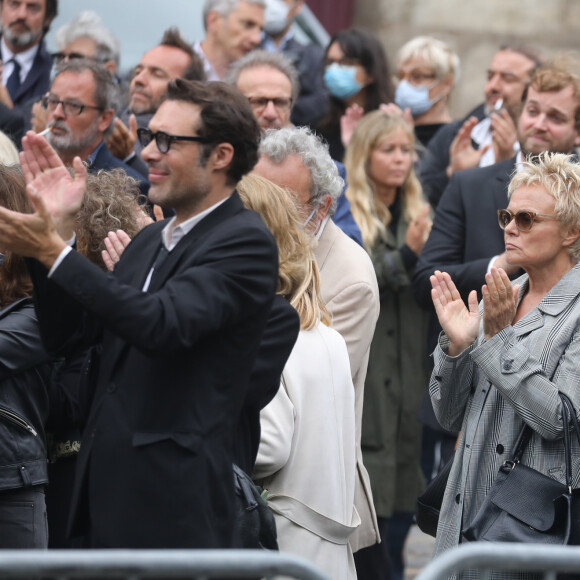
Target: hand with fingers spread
[
  {"x": 47, "y": 177},
  {"x": 504, "y": 135},
  {"x": 460, "y": 324},
  {"x": 115, "y": 244},
  {"x": 31, "y": 235},
  {"x": 462, "y": 154},
  {"x": 500, "y": 302}
]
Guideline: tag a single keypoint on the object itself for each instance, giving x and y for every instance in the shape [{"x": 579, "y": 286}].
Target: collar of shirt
[
  {"x": 91, "y": 158},
  {"x": 269, "y": 44},
  {"x": 25, "y": 60},
  {"x": 210, "y": 72},
  {"x": 172, "y": 234}
]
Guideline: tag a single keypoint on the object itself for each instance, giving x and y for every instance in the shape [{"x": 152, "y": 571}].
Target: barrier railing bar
[
  {"x": 548, "y": 559},
  {"x": 153, "y": 563}
]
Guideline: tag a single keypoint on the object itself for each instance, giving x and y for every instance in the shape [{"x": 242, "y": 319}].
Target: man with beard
[
  {"x": 173, "y": 58},
  {"x": 80, "y": 112},
  {"x": 26, "y": 63}
]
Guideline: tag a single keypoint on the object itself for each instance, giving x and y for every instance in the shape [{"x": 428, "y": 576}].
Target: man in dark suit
[
  {"x": 80, "y": 113},
  {"x": 466, "y": 240},
  {"x": 179, "y": 323},
  {"x": 26, "y": 62},
  {"x": 488, "y": 134}
]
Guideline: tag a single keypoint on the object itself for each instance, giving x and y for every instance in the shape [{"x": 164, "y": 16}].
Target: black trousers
[{"x": 23, "y": 521}]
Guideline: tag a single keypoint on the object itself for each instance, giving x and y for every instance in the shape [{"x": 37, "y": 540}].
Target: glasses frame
[
  {"x": 48, "y": 100},
  {"x": 60, "y": 57},
  {"x": 280, "y": 108},
  {"x": 148, "y": 136},
  {"x": 531, "y": 215}
]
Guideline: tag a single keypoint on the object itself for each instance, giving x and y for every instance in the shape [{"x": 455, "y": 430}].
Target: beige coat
[
  {"x": 307, "y": 457},
  {"x": 349, "y": 288}
]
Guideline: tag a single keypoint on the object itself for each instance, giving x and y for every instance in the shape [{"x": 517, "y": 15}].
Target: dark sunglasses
[
  {"x": 164, "y": 140},
  {"x": 60, "y": 57},
  {"x": 524, "y": 219}
]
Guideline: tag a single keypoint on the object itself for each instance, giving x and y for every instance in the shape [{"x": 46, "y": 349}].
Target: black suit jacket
[
  {"x": 465, "y": 234},
  {"x": 36, "y": 83},
  {"x": 154, "y": 469},
  {"x": 434, "y": 162},
  {"x": 107, "y": 161}
]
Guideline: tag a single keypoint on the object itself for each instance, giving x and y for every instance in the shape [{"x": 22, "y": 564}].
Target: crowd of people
[{"x": 246, "y": 252}]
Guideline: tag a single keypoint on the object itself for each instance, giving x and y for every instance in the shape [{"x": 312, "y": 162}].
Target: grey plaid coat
[{"x": 492, "y": 387}]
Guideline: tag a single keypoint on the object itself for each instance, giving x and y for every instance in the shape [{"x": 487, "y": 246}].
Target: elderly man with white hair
[{"x": 295, "y": 159}]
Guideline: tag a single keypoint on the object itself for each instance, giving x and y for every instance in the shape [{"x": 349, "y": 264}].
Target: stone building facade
[{"x": 475, "y": 29}]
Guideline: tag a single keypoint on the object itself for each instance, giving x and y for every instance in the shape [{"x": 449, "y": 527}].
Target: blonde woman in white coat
[{"x": 307, "y": 458}]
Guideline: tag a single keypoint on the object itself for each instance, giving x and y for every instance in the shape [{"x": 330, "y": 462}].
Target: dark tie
[
  {"x": 161, "y": 255},
  {"x": 13, "y": 82}
]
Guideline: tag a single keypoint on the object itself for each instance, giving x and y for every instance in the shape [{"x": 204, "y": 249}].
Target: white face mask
[{"x": 275, "y": 16}]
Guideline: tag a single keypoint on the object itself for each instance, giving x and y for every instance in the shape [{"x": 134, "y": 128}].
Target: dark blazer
[
  {"x": 277, "y": 343},
  {"x": 36, "y": 83},
  {"x": 12, "y": 123},
  {"x": 465, "y": 234},
  {"x": 154, "y": 470},
  {"x": 434, "y": 162},
  {"x": 107, "y": 161}
]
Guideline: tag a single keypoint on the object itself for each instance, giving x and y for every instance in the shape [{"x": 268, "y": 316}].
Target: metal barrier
[
  {"x": 133, "y": 564},
  {"x": 487, "y": 556}
]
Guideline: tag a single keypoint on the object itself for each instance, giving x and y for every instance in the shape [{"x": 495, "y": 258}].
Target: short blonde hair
[
  {"x": 559, "y": 175},
  {"x": 298, "y": 277},
  {"x": 436, "y": 53}
]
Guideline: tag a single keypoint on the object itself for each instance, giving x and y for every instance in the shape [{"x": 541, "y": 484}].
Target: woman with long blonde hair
[
  {"x": 388, "y": 206},
  {"x": 306, "y": 459}
]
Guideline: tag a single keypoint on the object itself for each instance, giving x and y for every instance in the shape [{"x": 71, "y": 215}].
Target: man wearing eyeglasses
[
  {"x": 80, "y": 111},
  {"x": 178, "y": 323},
  {"x": 465, "y": 240}
]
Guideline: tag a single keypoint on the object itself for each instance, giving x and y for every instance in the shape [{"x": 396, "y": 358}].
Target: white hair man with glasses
[{"x": 80, "y": 112}]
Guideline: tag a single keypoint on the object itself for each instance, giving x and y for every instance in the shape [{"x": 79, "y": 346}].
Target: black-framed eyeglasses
[
  {"x": 281, "y": 104},
  {"x": 60, "y": 57},
  {"x": 524, "y": 219},
  {"x": 164, "y": 140},
  {"x": 72, "y": 108}
]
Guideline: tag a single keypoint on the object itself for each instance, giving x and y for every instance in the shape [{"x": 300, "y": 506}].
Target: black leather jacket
[{"x": 24, "y": 380}]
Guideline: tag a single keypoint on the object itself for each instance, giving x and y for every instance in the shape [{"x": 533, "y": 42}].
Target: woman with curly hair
[
  {"x": 388, "y": 206},
  {"x": 308, "y": 428}
]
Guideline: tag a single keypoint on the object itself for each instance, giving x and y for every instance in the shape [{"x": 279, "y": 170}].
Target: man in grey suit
[{"x": 298, "y": 161}]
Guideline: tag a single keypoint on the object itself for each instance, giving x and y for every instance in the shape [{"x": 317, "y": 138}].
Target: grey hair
[
  {"x": 105, "y": 94},
  {"x": 258, "y": 58},
  {"x": 279, "y": 144},
  {"x": 225, "y": 7},
  {"x": 88, "y": 24}
]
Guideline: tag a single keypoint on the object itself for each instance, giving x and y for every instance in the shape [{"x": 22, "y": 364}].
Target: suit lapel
[
  {"x": 188, "y": 244},
  {"x": 501, "y": 182}
]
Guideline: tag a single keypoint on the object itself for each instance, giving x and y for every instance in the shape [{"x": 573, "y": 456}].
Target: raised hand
[
  {"x": 417, "y": 231},
  {"x": 500, "y": 302},
  {"x": 47, "y": 177},
  {"x": 460, "y": 324},
  {"x": 32, "y": 235},
  {"x": 349, "y": 121},
  {"x": 123, "y": 138},
  {"x": 504, "y": 135},
  {"x": 462, "y": 154},
  {"x": 115, "y": 244}
]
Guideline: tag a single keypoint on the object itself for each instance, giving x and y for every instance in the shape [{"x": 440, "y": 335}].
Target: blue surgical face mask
[
  {"x": 340, "y": 80},
  {"x": 414, "y": 98},
  {"x": 275, "y": 16}
]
